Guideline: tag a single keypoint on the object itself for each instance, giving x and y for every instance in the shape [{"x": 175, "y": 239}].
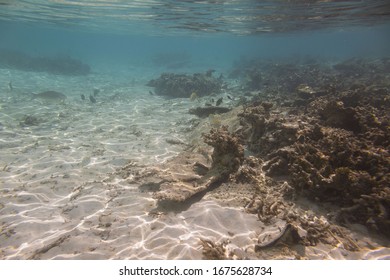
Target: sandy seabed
[{"x": 60, "y": 197}]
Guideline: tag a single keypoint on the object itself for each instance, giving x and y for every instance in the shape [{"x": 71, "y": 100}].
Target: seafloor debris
[
  {"x": 182, "y": 85},
  {"x": 214, "y": 251},
  {"x": 288, "y": 235}
]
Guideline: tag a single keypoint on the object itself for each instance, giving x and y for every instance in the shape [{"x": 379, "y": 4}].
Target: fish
[
  {"x": 92, "y": 99},
  {"x": 50, "y": 96},
  {"x": 10, "y": 87},
  {"x": 150, "y": 92},
  {"x": 82, "y": 97},
  {"x": 219, "y": 101},
  {"x": 96, "y": 91},
  {"x": 228, "y": 96}
]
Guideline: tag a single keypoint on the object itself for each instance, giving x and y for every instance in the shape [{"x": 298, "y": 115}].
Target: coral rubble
[{"x": 334, "y": 148}]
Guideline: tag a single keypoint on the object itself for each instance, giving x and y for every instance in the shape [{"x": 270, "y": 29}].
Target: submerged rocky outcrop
[
  {"x": 183, "y": 85},
  {"x": 332, "y": 148}
]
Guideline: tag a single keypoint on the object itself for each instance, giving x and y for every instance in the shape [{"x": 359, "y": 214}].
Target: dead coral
[
  {"x": 334, "y": 148},
  {"x": 336, "y": 115},
  {"x": 228, "y": 153},
  {"x": 214, "y": 251},
  {"x": 182, "y": 85}
]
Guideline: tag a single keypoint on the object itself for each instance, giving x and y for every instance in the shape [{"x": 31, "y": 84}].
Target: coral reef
[
  {"x": 61, "y": 65},
  {"x": 334, "y": 148},
  {"x": 182, "y": 85},
  {"x": 282, "y": 76},
  {"x": 307, "y": 153}
]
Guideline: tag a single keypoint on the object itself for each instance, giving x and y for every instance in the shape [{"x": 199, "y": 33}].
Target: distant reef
[
  {"x": 61, "y": 65},
  {"x": 183, "y": 85}
]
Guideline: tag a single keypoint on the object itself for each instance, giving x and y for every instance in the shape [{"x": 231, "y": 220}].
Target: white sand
[{"x": 59, "y": 198}]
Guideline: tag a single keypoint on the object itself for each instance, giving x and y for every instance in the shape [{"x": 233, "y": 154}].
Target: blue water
[{"x": 132, "y": 32}]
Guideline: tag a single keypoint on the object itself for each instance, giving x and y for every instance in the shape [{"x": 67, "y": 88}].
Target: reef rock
[
  {"x": 182, "y": 85},
  {"x": 335, "y": 149}
]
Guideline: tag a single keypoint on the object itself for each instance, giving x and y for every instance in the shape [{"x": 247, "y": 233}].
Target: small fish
[
  {"x": 208, "y": 104},
  {"x": 82, "y": 97},
  {"x": 92, "y": 99},
  {"x": 212, "y": 100},
  {"x": 228, "y": 96},
  {"x": 219, "y": 101},
  {"x": 10, "y": 87},
  {"x": 96, "y": 91},
  {"x": 150, "y": 92}
]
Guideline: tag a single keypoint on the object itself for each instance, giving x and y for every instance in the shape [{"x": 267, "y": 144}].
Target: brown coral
[
  {"x": 332, "y": 148},
  {"x": 228, "y": 153}
]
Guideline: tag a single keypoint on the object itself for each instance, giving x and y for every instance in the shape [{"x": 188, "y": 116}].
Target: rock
[{"x": 182, "y": 85}]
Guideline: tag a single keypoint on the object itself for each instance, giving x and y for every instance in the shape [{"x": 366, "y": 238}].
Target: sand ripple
[{"x": 59, "y": 198}]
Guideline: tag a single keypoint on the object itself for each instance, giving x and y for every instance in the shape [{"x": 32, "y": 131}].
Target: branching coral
[{"x": 331, "y": 150}]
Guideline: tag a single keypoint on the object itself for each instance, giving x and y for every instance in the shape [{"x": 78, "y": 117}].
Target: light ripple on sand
[{"x": 57, "y": 197}]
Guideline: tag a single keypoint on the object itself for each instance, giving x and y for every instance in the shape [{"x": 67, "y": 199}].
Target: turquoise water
[
  {"x": 218, "y": 32},
  {"x": 70, "y": 171}
]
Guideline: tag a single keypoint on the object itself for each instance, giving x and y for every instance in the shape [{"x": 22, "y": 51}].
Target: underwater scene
[{"x": 197, "y": 129}]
